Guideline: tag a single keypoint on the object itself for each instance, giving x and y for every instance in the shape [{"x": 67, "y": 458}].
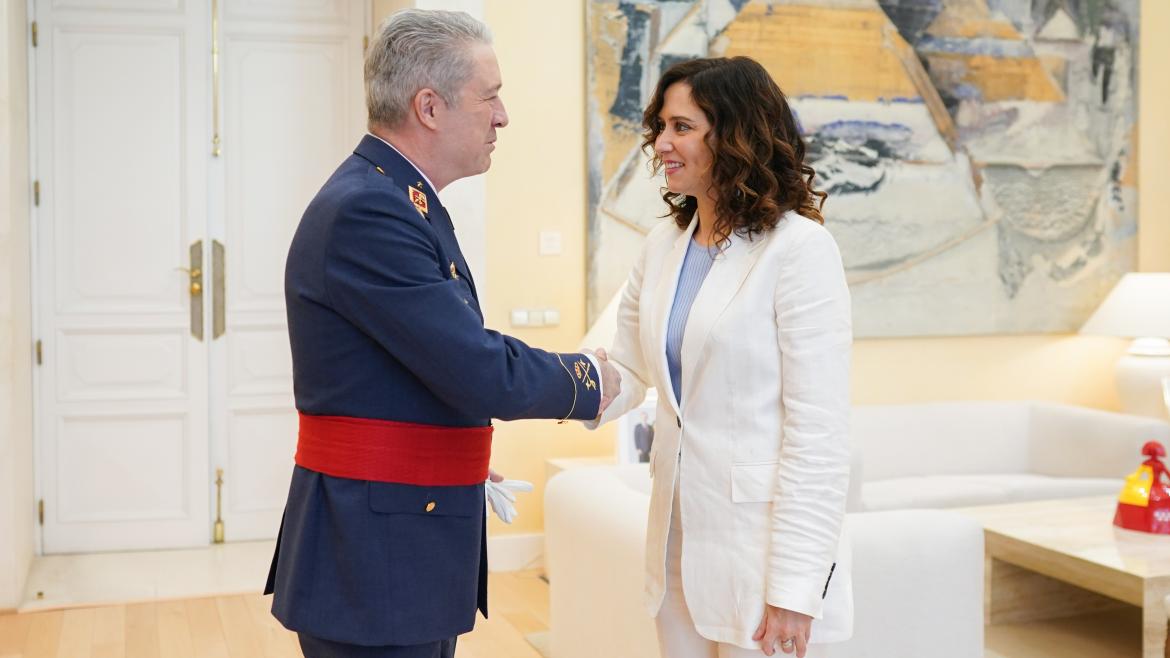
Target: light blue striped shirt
[{"x": 696, "y": 264}]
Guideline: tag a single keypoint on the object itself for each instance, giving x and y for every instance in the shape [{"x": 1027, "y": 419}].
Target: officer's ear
[{"x": 427, "y": 105}]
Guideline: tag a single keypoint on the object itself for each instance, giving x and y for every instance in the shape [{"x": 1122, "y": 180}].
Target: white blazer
[{"x": 760, "y": 443}]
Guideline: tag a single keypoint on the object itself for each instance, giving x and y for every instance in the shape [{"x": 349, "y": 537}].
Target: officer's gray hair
[{"x": 416, "y": 49}]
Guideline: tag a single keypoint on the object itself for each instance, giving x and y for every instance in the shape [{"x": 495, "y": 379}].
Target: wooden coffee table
[{"x": 1061, "y": 558}]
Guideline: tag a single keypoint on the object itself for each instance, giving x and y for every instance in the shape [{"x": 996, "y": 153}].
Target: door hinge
[
  {"x": 365, "y": 44},
  {"x": 36, "y": 193},
  {"x": 41, "y": 511},
  {"x": 34, "y": 34},
  {"x": 40, "y": 353}
]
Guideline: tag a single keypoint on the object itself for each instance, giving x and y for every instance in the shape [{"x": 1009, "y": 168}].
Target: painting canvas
[{"x": 979, "y": 155}]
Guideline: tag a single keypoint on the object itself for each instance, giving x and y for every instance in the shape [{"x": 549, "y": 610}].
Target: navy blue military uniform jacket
[{"x": 384, "y": 323}]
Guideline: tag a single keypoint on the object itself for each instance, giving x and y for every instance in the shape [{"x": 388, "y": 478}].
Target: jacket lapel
[
  {"x": 664, "y": 298},
  {"x": 446, "y": 230},
  {"x": 727, "y": 274},
  {"x": 393, "y": 164}
]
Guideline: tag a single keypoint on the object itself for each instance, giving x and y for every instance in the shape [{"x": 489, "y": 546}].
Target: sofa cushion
[
  {"x": 941, "y": 491},
  {"x": 1080, "y": 442},
  {"x": 944, "y": 437}
]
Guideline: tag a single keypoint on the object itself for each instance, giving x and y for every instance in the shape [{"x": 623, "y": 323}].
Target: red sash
[{"x": 387, "y": 451}]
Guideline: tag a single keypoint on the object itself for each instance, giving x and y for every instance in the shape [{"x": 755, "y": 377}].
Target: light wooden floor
[{"x": 242, "y": 627}]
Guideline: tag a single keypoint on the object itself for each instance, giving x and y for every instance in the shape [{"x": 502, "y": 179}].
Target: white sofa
[
  {"x": 921, "y": 566},
  {"x": 957, "y": 454}
]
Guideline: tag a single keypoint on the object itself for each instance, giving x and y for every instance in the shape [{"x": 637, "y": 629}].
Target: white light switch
[
  {"x": 550, "y": 243},
  {"x": 519, "y": 317},
  {"x": 552, "y": 317}
]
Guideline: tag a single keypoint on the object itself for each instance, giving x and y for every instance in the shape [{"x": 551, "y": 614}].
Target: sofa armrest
[
  {"x": 917, "y": 585},
  {"x": 1069, "y": 441},
  {"x": 595, "y": 539}
]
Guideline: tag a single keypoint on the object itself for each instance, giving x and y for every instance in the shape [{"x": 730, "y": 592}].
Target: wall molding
[{"x": 519, "y": 552}]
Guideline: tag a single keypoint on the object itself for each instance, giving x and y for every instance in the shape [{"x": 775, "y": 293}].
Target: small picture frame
[{"x": 636, "y": 431}]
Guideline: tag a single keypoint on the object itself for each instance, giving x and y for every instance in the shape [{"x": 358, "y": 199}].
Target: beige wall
[
  {"x": 17, "y": 532},
  {"x": 383, "y": 8},
  {"x": 538, "y": 180}
]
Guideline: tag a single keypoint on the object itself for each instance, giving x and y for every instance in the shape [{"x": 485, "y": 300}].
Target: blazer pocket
[
  {"x": 391, "y": 498},
  {"x": 753, "y": 483}
]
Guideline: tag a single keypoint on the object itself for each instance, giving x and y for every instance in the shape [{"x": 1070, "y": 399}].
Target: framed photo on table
[{"x": 636, "y": 431}]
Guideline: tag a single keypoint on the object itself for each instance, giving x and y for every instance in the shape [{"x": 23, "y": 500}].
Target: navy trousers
[{"x": 315, "y": 647}]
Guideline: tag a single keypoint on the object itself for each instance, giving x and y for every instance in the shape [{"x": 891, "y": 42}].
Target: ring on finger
[{"x": 787, "y": 644}]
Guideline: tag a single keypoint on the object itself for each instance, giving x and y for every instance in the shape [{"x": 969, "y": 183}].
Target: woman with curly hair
[{"x": 738, "y": 312}]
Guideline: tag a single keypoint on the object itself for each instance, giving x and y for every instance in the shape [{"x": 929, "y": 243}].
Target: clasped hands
[{"x": 611, "y": 379}]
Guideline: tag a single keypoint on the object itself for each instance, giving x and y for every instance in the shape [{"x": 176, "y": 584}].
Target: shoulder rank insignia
[
  {"x": 454, "y": 272},
  {"x": 419, "y": 199},
  {"x": 582, "y": 369}
]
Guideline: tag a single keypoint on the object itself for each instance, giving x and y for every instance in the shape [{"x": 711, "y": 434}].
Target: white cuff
[{"x": 597, "y": 369}]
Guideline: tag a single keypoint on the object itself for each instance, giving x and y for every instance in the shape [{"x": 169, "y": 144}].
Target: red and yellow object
[{"x": 1144, "y": 503}]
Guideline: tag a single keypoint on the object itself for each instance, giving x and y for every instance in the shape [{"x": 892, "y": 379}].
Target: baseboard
[{"x": 516, "y": 552}]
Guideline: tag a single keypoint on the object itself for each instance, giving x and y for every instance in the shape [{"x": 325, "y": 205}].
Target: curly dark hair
[{"x": 758, "y": 171}]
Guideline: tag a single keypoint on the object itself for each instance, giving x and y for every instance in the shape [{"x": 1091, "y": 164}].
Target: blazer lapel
[
  {"x": 721, "y": 285},
  {"x": 664, "y": 298}
]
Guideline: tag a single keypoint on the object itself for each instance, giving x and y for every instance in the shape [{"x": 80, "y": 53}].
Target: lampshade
[{"x": 1138, "y": 306}]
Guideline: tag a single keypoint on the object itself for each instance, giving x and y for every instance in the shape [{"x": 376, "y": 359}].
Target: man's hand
[
  {"x": 501, "y": 494},
  {"x": 611, "y": 380},
  {"x": 783, "y": 629}
]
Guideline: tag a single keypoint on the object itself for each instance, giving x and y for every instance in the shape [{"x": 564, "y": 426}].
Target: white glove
[{"x": 500, "y": 497}]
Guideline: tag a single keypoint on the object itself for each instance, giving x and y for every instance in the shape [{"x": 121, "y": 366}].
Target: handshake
[{"x": 611, "y": 379}]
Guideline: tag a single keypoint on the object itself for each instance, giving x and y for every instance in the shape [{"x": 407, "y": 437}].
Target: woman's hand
[{"x": 785, "y": 629}]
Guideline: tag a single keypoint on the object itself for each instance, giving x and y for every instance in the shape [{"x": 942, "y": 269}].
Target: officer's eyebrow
[{"x": 678, "y": 117}]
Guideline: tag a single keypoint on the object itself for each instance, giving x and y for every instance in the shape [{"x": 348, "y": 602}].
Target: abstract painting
[{"x": 979, "y": 155}]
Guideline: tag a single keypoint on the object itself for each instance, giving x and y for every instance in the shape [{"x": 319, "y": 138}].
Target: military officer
[{"x": 382, "y": 550}]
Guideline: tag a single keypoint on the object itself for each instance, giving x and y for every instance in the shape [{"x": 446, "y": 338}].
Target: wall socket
[
  {"x": 535, "y": 317},
  {"x": 550, "y": 243}
]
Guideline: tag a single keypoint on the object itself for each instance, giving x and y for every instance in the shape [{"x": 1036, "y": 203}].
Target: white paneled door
[
  {"x": 174, "y": 156},
  {"x": 293, "y": 108}
]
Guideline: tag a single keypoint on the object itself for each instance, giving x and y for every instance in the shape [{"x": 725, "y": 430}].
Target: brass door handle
[
  {"x": 195, "y": 276},
  {"x": 196, "y": 279}
]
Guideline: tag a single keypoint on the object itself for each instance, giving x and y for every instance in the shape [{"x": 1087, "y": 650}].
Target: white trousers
[{"x": 677, "y": 637}]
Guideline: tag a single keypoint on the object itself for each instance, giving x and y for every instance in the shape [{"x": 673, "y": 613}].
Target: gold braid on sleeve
[{"x": 574, "y": 383}]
